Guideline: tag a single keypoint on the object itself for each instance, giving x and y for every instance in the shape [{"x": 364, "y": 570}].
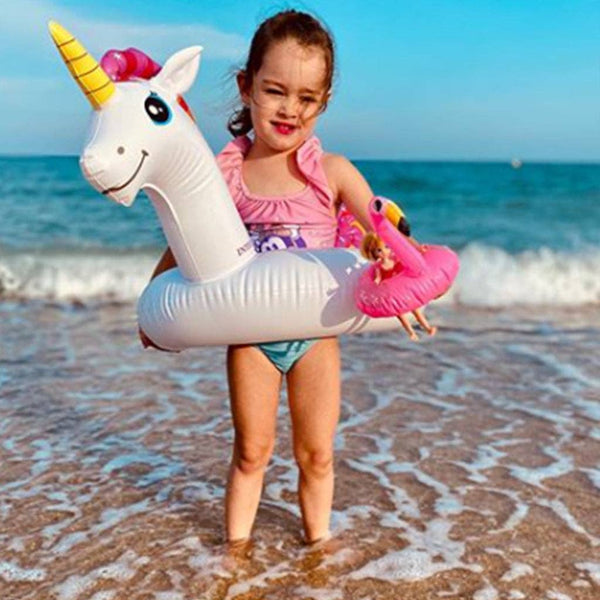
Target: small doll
[{"x": 373, "y": 248}]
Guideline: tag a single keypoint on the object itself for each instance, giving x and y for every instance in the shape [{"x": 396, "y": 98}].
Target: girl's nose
[{"x": 289, "y": 106}]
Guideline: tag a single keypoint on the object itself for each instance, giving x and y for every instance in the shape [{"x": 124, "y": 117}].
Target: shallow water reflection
[{"x": 467, "y": 465}]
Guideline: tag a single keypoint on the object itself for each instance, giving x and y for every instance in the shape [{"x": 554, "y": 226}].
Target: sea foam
[
  {"x": 489, "y": 276},
  {"x": 59, "y": 276}
]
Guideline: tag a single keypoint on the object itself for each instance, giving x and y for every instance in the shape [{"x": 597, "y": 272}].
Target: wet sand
[{"x": 467, "y": 466}]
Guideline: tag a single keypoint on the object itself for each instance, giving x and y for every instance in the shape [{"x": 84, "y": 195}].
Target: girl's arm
[
  {"x": 349, "y": 186},
  {"x": 166, "y": 262}
]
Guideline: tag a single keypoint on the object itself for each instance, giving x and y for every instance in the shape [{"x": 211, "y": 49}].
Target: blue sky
[{"x": 417, "y": 79}]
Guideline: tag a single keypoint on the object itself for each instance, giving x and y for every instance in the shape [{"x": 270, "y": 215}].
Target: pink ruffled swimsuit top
[{"x": 303, "y": 219}]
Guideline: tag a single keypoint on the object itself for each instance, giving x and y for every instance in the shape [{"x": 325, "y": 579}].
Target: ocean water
[
  {"x": 467, "y": 465},
  {"x": 525, "y": 236}
]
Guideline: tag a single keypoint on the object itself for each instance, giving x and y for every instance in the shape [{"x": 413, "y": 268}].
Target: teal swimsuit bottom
[{"x": 284, "y": 355}]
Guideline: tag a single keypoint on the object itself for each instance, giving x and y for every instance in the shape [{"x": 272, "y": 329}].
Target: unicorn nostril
[
  {"x": 121, "y": 150},
  {"x": 92, "y": 165}
]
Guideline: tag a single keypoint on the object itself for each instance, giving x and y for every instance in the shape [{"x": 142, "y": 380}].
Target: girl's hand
[{"x": 148, "y": 343}]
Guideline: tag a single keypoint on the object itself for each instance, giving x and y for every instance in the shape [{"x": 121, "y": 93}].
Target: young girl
[
  {"x": 373, "y": 248},
  {"x": 288, "y": 192}
]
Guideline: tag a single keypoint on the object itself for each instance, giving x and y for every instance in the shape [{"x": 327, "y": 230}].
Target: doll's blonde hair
[{"x": 370, "y": 243}]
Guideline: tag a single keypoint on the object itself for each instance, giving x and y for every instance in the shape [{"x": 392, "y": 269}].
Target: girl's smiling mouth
[{"x": 284, "y": 128}]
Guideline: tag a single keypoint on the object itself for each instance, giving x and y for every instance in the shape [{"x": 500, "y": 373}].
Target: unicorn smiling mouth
[{"x": 120, "y": 187}]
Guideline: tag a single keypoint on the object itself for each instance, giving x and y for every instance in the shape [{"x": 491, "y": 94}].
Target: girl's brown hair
[{"x": 299, "y": 26}]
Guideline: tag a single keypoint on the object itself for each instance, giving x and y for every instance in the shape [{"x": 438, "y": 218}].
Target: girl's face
[{"x": 286, "y": 95}]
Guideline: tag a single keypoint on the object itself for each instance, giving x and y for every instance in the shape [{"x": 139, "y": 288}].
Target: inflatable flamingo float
[
  {"x": 422, "y": 274},
  {"x": 143, "y": 136}
]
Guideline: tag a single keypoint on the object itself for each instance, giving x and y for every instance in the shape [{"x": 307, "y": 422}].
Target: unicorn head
[
  {"x": 142, "y": 136},
  {"x": 135, "y": 123}
]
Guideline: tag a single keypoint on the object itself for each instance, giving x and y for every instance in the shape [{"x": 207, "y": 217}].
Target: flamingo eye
[{"x": 157, "y": 109}]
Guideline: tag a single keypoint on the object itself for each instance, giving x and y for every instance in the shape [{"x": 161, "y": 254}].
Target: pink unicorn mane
[{"x": 132, "y": 64}]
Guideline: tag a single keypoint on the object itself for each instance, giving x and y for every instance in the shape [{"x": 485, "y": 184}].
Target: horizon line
[{"x": 524, "y": 161}]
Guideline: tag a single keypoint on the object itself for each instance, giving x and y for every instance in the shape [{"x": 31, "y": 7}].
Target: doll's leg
[
  {"x": 423, "y": 322},
  {"x": 408, "y": 327}
]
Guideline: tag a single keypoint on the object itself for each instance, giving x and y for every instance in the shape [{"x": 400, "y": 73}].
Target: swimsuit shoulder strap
[
  {"x": 230, "y": 161},
  {"x": 309, "y": 161}
]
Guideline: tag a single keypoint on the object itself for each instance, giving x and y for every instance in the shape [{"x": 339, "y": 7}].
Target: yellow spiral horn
[{"x": 89, "y": 75}]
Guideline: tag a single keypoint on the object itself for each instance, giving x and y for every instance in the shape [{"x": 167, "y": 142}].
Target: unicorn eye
[{"x": 157, "y": 109}]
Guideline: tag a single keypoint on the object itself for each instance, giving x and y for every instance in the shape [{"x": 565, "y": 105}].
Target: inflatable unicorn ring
[{"x": 143, "y": 136}]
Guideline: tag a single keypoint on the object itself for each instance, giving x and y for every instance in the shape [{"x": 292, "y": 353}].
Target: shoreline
[{"x": 466, "y": 465}]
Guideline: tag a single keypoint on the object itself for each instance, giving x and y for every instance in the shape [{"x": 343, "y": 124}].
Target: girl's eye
[
  {"x": 274, "y": 91},
  {"x": 157, "y": 109},
  {"x": 308, "y": 99}
]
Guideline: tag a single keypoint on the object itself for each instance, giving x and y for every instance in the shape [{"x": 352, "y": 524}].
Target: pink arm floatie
[{"x": 422, "y": 277}]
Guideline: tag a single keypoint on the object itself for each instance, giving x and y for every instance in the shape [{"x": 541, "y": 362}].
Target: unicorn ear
[{"x": 179, "y": 72}]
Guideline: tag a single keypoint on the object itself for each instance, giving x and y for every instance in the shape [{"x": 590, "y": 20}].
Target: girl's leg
[
  {"x": 423, "y": 322},
  {"x": 314, "y": 399},
  {"x": 254, "y": 385},
  {"x": 408, "y": 327}
]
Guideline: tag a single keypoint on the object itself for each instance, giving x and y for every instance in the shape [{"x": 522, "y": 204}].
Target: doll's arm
[{"x": 377, "y": 275}]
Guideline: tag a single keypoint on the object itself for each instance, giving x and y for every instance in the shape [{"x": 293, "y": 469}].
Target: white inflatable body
[
  {"x": 222, "y": 291},
  {"x": 314, "y": 297}
]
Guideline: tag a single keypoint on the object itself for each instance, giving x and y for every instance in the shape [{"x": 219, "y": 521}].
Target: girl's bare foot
[
  {"x": 239, "y": 549},
  {"x": 235, "y": 554},
  {"x": 318, "y": 542},
  {"x": 432, "y": 330}
]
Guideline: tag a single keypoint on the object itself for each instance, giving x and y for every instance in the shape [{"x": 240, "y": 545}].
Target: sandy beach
[{"x": 467, "y": 465}]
